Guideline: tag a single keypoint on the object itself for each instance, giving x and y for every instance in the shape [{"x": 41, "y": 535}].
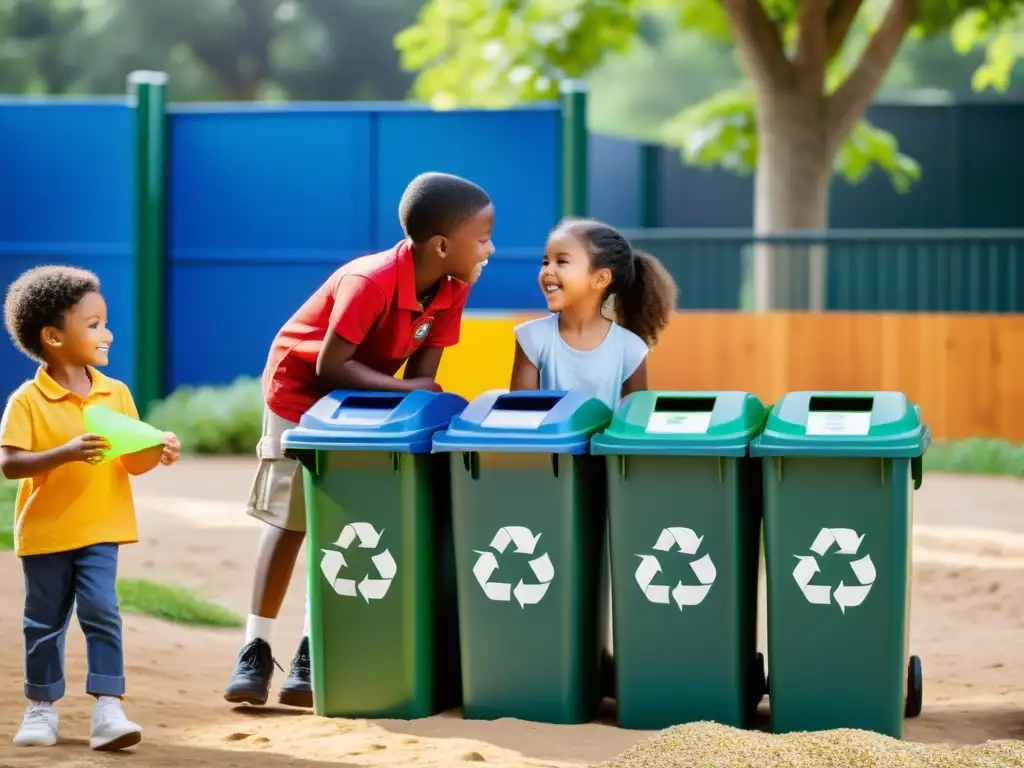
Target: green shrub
[
  {"x": 213, "y": 419},
  {"x": 975, "y": 456}
]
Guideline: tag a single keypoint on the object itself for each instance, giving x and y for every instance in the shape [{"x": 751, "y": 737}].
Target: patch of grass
[
  {"x": 171, "y": 603},
  {"x": 8, "y": 490},
  {"x": 975, "y": 456}
]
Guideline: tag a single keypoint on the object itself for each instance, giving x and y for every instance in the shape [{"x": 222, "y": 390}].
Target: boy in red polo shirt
[{"x": 372, "y": 315}]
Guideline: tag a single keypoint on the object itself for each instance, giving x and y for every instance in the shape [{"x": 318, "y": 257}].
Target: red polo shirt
[{"x": 370, "y": 302}]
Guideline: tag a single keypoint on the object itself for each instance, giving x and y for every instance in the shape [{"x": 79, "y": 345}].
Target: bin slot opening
[
  {"x": 832, "y": 404},
  {"x": 366, "y": 402},
  {"x": 525, "y": 403},
  {"x": 669, "y": 404}
]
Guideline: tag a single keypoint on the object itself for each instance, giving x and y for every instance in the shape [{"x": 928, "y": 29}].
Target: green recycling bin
[
  {"x": 840, "y": 469},
  {"x": 381, "y": 576},
  {"x": 684, "y": 500},
  {"x": 528, "y": 509}
]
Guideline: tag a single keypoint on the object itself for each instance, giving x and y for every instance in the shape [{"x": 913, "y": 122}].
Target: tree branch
[
  {"x": 847, "y": 105},
  {"x": 810, "y": 56},
  {"x": 841, "y": 14},
  {"x": 758, "y": 42}
]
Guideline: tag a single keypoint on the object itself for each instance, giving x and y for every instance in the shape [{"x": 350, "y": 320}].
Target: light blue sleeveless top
[{"x": 600, "y": 372}]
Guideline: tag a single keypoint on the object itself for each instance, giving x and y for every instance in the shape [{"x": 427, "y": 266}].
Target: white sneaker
[
  {"x": 39, "y": 728},
  {"x": 111, "y": 730}
]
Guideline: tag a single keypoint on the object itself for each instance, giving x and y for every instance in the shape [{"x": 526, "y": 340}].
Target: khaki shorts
[{"x": 277, "y": 496}]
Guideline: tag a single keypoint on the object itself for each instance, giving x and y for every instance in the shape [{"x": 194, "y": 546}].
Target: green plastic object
[
  {"x": 685, "y": 522},
  {"x": 125, "y": 434},
  {"x": 528, "y": 509},
  {"x": 839, "y": 473},
  {"x": 682, "y": 424},
  {"x": 380, "y": 565}
]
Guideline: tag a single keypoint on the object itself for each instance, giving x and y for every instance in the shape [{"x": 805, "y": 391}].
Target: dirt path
[{"x": 967, "y": 624}]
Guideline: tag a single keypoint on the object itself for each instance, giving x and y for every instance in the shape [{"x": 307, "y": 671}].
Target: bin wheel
[
  {"x": 760, "y": 680},
  {"x": 915, "y": 688}
]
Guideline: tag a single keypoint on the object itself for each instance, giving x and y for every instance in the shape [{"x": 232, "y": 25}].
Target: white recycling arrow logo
[
  {"x": 334, "y": 561},
  {"x": 688, "y": 543},
  {"x": 845, "y": 595},
  {"x": 525, "y": 544}
]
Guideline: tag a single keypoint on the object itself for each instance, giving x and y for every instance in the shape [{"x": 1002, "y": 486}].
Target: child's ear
[
  {"x": 602, "y": 278},
  {"x": 51, "y": 337},
  {"x": 438, "y": 245}
]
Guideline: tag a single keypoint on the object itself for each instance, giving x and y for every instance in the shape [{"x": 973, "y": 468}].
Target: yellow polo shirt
[{"x": 77, "y": 504}]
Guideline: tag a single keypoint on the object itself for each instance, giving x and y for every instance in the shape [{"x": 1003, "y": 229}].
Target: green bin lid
[
  {"x": 849, "y": 423},
  {"x": 682, "y": 424}
]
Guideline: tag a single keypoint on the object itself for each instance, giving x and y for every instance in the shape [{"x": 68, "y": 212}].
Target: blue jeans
[{"x": 53, "y": 584}]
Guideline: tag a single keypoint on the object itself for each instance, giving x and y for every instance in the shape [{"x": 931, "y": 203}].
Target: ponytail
[{"x": 647, "y": 300}]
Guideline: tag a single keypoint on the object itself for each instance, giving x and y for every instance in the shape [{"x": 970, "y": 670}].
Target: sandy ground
[{"x": 967, "y": 623}]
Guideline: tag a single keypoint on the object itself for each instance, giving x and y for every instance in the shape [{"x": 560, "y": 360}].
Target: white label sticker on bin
[
  {"x": 514, "y": 419},
  {"x": 824, "y": 423},
  {"x": 679, "y": 423}
]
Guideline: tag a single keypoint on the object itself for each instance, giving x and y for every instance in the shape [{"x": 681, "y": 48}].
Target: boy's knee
[{"x": 99, "y": 610}]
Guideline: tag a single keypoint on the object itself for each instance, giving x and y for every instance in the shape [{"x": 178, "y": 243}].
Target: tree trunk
[{"x": 791, "y": 193}]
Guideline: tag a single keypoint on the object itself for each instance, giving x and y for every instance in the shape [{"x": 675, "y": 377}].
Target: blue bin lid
[
  {"x": 350, "y": 420},
  {"x": 534, "y": 421},
  {"x": 843, "y": 423}
]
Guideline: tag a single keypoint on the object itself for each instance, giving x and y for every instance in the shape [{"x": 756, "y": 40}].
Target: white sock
[
  {"x": 305, "y": 627},
  {"x": 258, "y": 627}
]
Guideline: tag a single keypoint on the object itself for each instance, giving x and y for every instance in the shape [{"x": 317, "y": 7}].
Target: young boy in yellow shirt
[{"x": 73, "y": 510}]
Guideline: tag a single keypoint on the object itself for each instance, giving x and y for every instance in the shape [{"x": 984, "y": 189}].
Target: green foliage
[
  {"x": 1003, "y": 41},
  {"x": 171, "y": 603},
  {"x": 508, "y": 51},
  {"x": 213, "y": 420},
  {"x": 8, "y": 490},
  {"x": 976, "y": 456},
  {"x": 495, "y": 53},
  {"x": 213, "y": 49},
  {"x": 721, "y": 131}
]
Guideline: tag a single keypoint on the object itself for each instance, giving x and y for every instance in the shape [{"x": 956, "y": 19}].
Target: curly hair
[
  {"x": 39, "y": 298},
  {"x": 643, "y": 291}
]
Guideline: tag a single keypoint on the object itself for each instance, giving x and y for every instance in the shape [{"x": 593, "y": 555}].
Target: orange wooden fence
[{"x": 965, "y": 371}]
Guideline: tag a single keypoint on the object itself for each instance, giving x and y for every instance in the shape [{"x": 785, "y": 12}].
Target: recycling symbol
[
  {"x": 688, "y": 543},
  {"x": 846, "y": 595},
  {"x": 334, "y": 561},
  {"x": 526, "y": 544}
]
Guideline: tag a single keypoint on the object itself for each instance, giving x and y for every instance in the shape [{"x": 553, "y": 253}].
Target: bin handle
[
  {"x": 917, "y": 471},
  {"x": 471, "y": 461}
]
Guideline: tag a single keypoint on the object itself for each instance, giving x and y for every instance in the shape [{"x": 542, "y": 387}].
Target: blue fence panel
[
  {"x": 264, "y": 205},
  {"x": 514, "y": 155},
  {"x": 615, "y": 188},
  {"x": 66, "y": 198}
]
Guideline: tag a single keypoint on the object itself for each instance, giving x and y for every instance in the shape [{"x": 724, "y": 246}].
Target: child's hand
[
  {"x": 88, "y": 448},
  {"x": 172, "y": 449},
  {"x": 425, "y": 382}
]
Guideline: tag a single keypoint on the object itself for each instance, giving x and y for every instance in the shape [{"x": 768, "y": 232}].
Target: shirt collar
[
  {"x": 407, "y": 283},
  {"x": 53, "y": 391}
]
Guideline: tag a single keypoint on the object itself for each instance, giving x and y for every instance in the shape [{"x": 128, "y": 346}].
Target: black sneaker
[
  {"x": 297, "y": 690},
  {"x": 250, "y": 682}
]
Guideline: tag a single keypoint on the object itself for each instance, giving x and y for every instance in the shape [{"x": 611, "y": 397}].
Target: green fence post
[
  {"x": 650, "y": 186},
  {"x": 574, "y": 148},
  {"x": 147, "y": 95}
]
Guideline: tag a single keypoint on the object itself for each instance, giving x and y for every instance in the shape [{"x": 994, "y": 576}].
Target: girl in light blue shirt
[{"x": 608, "y": 306}]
